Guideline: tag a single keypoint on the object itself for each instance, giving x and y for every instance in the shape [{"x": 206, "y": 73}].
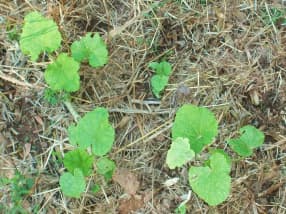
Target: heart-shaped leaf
[
  {"x": 93, "y": 130},
  {"x": 250, "y": 139},
  {"x": 212, "y": 183},
  {"x": 198, "y": 124},
  {"x": 72, "y": 185},
  {"x": 105, "y": 167},
  {"x": 179, "y": 153}
]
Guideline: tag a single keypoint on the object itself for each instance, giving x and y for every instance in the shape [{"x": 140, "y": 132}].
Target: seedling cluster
[
  {"x": 93, "y": 131},
  {"x": 194, "y": 127}
]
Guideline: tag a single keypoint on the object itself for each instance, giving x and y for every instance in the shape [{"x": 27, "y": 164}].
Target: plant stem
[{"x": 72, "y": 110}]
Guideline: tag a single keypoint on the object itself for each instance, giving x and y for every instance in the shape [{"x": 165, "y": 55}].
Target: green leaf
[
  {"x": 181, "y": 209},
  {"x": 63, "y": 74},
  {"x": 162, "y": 68},
  {"x": 198, "y": 124},
  {"x": 105, "y": 167},
  {"x": 212, "y": 184},
  {"x": 179, "y": 153},
  {"x": 72, "y": 185},
  {"x": 92, "y": 49},
  {"x": 250, "y": 139},
  {"x": 160, "y": 79},
  {"x": 78, "y": 159},
  {"x": 158, "y": 83},
  {"x": 93, "y": 130},
  {"x": 95, "y": 188},
  {"x": 39, "y": 34}
]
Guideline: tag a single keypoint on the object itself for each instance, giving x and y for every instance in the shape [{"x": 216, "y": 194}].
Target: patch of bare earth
[{"x": 224, "y": 56}]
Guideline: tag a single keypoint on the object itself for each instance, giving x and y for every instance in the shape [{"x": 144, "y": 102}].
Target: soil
[{"x": 226, "y": 55}]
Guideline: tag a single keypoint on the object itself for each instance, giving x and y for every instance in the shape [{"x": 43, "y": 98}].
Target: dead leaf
[
  {"x": 7, "y": 168},
  {"x": 132, "y": 204},
  {"x": 27, "y": 150},
  {"x": 127, "y": 180}
]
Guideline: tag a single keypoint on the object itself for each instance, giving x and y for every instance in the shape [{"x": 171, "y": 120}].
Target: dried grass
[{"x": 223, "y": 56}]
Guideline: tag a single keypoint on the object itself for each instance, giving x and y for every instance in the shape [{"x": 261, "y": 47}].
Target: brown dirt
[{"x": 223, "y": 55}]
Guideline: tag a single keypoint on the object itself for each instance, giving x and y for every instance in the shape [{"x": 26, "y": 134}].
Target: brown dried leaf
[
  {"x": 132, "y": 204},
  {"x": 127, "y": 180}
]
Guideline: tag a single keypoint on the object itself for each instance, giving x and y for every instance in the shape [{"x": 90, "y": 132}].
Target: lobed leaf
[
  {"x": 72, "y": 185},
  {"x": 90, "y": 48},
  {"x": 158, "y": 83},
  {"x": 39, "y": 34},
  {"x": 250, "y": 139},
  {"x": 162, "y": 68},
  {"x": 105, "y": 167},
  {"x": 93, "y": 130},
  {"x": 62, "y": 74},
  {"x": 212, "y": 183},
  {"x": 160, "y": 79},
  {"x": 78, "y": 159},
  {"x": 198, "y": 124},
  {"x": 179, "y": 153}
]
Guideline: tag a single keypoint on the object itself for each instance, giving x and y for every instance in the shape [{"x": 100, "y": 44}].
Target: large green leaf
[
  {"x": 90, "y": 48},
  {"x": 198, "y": 124},
  {"x": 212, "y": 183},
  {"x": 179, "y": 153},
  {"x": 250, "y": 139},
  {"x": 39, "y": 34},
  {"x": 72, "y": 185},
  {"x": 78, "y": 159},
  {"x": 93, "y": 130},
  {"x": 62, "y": 74}
]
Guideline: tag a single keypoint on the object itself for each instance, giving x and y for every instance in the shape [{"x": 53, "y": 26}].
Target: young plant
[
  {"x": 273, "y": 16},
  {"x": 20, "y": 187},
  {"x": 160, "y": 79},
  {"x": 250, "y": 139},
  {"x": 193, "y": 129},
  {"x": 92, "y": 131},
  {"x": 41, "y": 34}
]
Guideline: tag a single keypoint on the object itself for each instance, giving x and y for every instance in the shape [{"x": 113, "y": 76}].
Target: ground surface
[{"x": 226, "y": 55}]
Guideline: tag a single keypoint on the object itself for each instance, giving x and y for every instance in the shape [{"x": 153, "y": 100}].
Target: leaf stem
[{"x": 72, "y": 110}]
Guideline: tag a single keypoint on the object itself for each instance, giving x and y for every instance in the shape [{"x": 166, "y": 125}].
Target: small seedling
[
  {"x": 92, "y": 131},
  {"x": 273, "y": 16},
  {"x": 250, "y": 139},
  {"x": 160, "y": 79},
  {"x": 20, "y": 187},
  {"x": 193, "y": 129}
]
